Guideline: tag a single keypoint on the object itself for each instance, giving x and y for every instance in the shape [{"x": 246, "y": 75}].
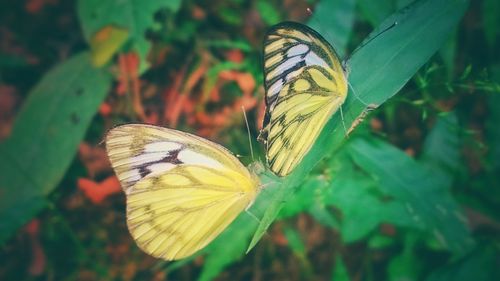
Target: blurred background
[{"x": 71, "y": 70}]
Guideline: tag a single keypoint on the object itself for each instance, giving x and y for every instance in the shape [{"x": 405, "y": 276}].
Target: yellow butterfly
[
  {"x": 182, "y": 190},
  {"x": 305, "y": 85}
]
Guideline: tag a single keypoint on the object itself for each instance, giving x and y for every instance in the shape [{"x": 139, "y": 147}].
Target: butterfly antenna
[
  {"x": 253, "y": 216},
  {"x": 343, "y": 120},
  {"x": 356, "y": 95},
  {"x": 248, "y": 131}
]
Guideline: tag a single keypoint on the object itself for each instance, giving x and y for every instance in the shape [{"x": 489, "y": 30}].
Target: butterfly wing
[
  {"x": 305, "y": 84},
  {"x": 182, "y": 190}
]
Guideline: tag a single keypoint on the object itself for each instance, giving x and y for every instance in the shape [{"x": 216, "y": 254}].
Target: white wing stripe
[
  {"x": 159, "y": 168},
  {"x": 160, "y": 146},
  {"x": 287, "y": 64},
  {"x": 193, "y": 158},
  {"x": 275, "y": 88},
  {"x": 313, "y": 59},
  {"x": 299, "y": 49},
  {"x": 147, "y": 158}
]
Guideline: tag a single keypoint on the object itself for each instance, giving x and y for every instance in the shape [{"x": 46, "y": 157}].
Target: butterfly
[
  {"x": 182, "y": 190},
  {"x": 305, "y": 85}
]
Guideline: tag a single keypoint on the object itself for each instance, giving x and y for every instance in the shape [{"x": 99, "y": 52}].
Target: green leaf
[
  {"x": 136, "y": 16},
  {"x": 379, "y": 241},
  {"x": 362, "y": 206},
  {"x": 492, "y": 127},
  {"x": 334, "y": 19},
  {"x": 448, "y": 53},
  {"x": 340, "y": 272},
  {"x": 105, "y": 43},
  {"x": 441, "y": 150},
  {"x": 405, "y": 180},
  {"x": 378, "y": 71},
  {"x": 45, "y": 137},
  {"x": 295, "y": 242},
  {"x": 405, "y": 266}
]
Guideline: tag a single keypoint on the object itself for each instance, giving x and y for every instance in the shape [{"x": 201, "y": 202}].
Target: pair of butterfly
[{"x": 183, "y": 191}]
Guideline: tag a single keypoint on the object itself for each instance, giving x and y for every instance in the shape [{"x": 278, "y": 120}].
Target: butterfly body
[
  {"x": 182, "y": 190},
  {"x": 305, "y": 85}
]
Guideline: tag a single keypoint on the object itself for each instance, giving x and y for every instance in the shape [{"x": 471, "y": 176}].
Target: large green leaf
[
  {"x": 359, "y": 199},
  {"x": 405, "y": 180},
  {"x": 45, "y": 137},
  {"x": 136, "y": 16},
  {"x": 378, "y": 71}
]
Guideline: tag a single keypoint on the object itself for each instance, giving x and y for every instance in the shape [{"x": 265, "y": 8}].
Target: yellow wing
[
  {"x": 182, "y": 190},
  {"x": 305, "y": 85}
]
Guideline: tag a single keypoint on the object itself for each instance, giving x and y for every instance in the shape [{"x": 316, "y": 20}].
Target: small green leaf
[
  {"x": 441, "y": 151},
  {"x": 379, "y": 241},
  {"x": 448, "y": 53},
  {"x": 295, "y": 242},
  {"x": 405, "y": 266},
  {"x": 105, "y": 43}
]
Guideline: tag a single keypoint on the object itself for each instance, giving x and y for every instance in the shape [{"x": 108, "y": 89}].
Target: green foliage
[{"x": 46, "y": 134}]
